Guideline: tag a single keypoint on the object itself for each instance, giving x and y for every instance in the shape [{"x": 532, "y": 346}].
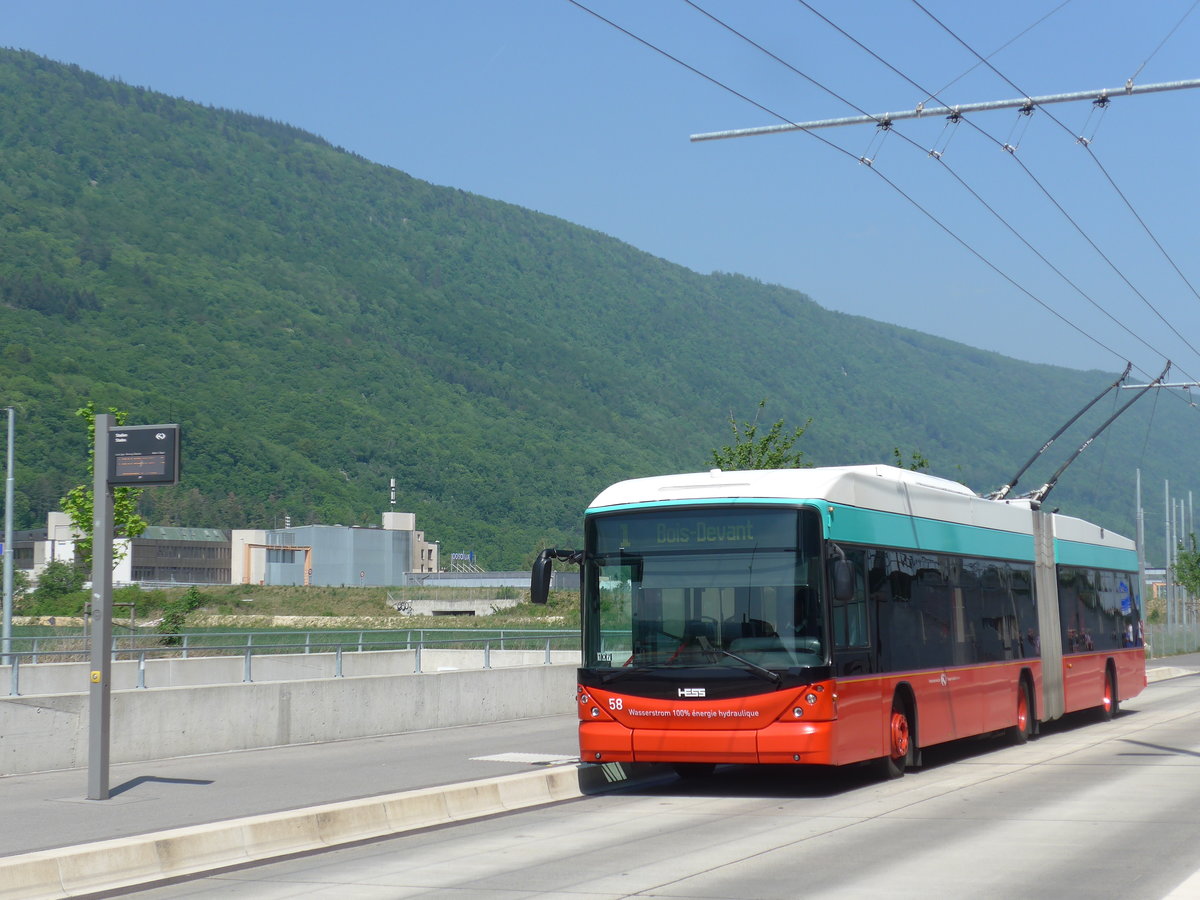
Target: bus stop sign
[{"x": 143, "y": 455}]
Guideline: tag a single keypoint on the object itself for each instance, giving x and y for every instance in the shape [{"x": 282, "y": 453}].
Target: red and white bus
[{"x": 838, "y": 615}]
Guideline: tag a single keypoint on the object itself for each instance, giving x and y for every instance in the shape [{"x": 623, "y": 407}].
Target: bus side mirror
[
  {"x": 539, "y": 581},
  {"x": 843, "y": 581}
]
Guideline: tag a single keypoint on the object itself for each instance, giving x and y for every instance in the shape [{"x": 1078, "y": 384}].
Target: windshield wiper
[{"x": 761, "y": 671}]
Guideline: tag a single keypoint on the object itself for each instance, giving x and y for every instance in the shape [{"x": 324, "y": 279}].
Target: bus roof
[
  {"x": 841, "y": 484},
  {"x": 872, "y": 487}
]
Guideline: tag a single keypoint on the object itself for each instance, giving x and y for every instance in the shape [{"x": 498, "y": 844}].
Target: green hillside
[{"x": 319, "y": 324}]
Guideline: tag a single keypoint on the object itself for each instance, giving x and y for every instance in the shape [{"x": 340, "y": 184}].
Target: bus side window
[{"x": 850, "y": 624}]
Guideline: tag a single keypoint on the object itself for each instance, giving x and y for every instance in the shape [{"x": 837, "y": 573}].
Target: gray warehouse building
[{"x": 334, "y": 555}]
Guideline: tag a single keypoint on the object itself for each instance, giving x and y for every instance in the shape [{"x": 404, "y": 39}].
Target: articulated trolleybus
[{"x": 839, "y": 615}]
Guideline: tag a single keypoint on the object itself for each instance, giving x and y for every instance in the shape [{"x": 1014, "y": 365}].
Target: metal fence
[
  {"x": 1172, "y": 640},
  {"x": 59, "y": 648}
]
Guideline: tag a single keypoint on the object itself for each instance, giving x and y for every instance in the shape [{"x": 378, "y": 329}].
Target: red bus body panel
[
  {"x": 1083, "y": 676},
  {"x": 848, "y": 722}
]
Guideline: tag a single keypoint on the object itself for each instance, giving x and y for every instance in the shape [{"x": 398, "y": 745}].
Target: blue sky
[{"x": 539, "y": 103}]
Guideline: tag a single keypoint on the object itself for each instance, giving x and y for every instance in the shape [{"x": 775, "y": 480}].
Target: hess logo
[{"x": 691, "y": 692}]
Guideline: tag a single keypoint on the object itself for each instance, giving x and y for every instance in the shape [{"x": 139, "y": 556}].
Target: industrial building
[
  {"x": 323, "y": 555},
  {"x": 334, "y": 555}
]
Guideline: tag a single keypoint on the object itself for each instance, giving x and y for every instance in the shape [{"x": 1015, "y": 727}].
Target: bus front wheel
[{"x": 901, "y": 749}]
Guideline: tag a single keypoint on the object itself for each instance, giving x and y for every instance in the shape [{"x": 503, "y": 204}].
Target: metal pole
[
  {"x": 1179, "y": 589},
  {"x": 1181, "y": 595},
  {"x": 1189, "y": 612},
  {"x": 8, "y": 547},
  {"x": 100, "y": 697},
  {"x": 1167, "y": 547},
  {"x": 1140, "y": 518}
]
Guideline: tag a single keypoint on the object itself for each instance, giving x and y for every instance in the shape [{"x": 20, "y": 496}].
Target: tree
[
  {"x": 917, "y": 463},
  {"x": 1187, "y": 567},
  {"x": 771, "y": 451},
  {"x": 79, "y": 502},
  {"x": 175, "y": 613},
  {"x": 20, "y": 584},
  {"x": 58, "y": 579}
]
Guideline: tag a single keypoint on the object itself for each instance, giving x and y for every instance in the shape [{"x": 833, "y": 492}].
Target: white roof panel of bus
[{"x": 879, "y": 487}]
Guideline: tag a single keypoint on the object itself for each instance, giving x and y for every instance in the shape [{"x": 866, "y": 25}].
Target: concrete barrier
[
  {"x": 45, "y": 732},
  {"x": 66, "y": 678},
  {"x": 143, "y": 859}
]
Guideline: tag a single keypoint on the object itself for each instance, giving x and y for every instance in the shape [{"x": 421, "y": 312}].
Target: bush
[
  {"x": 176, "y": 612},
  {"x": 59, "y": 579},
  {"x": 63, "y": 605}
]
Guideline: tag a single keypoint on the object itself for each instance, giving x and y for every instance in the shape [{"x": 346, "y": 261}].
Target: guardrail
[{"x": 248, "y": 645}]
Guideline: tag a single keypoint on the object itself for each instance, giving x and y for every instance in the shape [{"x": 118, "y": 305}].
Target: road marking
[{"x": 538, "y": 759}]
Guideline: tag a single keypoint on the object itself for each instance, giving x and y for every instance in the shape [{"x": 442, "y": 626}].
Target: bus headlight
[
  {"x": 812, "y": 699},
  {"x": 595, "y": 712},
  {"x": 798, "y": 712}
]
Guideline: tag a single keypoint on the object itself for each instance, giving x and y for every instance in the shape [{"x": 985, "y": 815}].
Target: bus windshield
[{"x": 704, "y": 586}]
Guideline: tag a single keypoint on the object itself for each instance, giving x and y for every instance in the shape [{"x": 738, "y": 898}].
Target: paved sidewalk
[
  {"x": 48, "y": 810},
  {"x": 1172, "y": 666}
]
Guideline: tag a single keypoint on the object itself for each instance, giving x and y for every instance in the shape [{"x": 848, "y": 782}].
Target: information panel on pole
[{"x": 143, "y": 455}]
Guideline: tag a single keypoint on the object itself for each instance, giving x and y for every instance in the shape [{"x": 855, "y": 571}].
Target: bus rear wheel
[
  {"x": 1110, "y": 706},
  {"x": 901, "y": 751},
  {"x": 1020, "y": 732}
]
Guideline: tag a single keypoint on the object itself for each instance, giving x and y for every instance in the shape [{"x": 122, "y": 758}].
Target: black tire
[
  {"x": 1020, "y": 732},
  {"x": 1110, "y": 706},
  {"x": 694, "y": 770}
]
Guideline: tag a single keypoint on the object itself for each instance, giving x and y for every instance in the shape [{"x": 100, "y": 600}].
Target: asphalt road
[{"x": 1089, "y": 809}]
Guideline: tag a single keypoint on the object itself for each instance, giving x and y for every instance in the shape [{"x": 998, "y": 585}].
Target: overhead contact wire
[
  {"x": 716, "y": 82},
  {"x": 947, "y": 166},
  {"x": 1061, "y": 125}
]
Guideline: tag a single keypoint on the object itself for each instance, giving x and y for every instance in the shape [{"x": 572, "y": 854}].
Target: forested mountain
[{"x": 319, "y": 324}]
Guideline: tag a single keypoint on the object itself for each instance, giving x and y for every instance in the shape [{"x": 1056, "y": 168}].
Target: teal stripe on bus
[
  {"x": 1073, "y": 553},
  {"x": 870, "y": 526}
]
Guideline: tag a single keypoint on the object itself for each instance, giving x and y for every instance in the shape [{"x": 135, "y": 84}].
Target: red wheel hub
[{"x": 899, "y": 735}]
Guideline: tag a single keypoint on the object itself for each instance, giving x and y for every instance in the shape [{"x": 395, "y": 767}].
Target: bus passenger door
[{"x": 854, "y": 666}]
